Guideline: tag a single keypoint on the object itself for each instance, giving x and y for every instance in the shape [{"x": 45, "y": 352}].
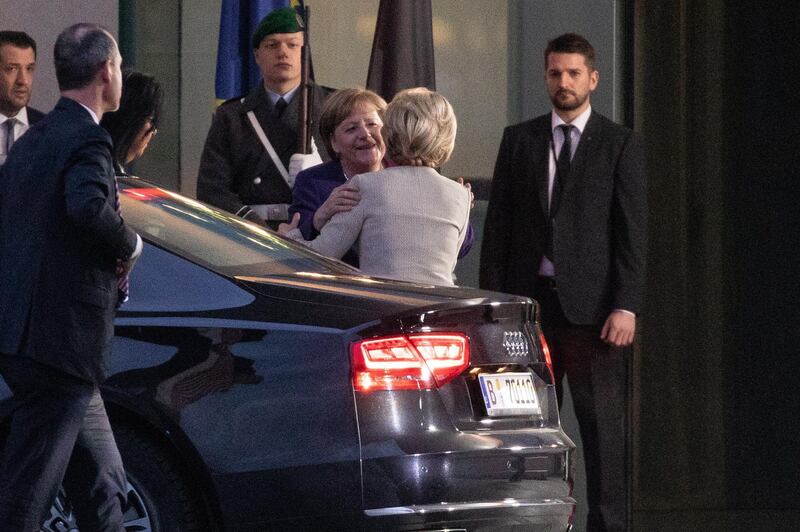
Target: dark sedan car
[{"x": 255, "y": 385}]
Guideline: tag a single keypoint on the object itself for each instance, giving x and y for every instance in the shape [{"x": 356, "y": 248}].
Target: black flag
[{"x": 402, "y": 52}]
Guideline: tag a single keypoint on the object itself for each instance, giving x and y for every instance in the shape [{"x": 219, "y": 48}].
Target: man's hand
[
  {"x": 342, "y": 199},
  {"x": 285, "y": 229},
  {"x": 124, "y": 267},
  {"x": 300, "y": 161},
  {"x": 619, "y": 329}
]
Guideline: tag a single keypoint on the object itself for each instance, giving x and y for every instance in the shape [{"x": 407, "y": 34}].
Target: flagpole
[{"x": 306, "y": 96}]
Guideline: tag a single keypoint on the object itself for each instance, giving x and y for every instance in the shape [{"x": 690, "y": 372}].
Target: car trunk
[
  {"x": 458, "y": 442},
  {"x": 447, "y": 443}
]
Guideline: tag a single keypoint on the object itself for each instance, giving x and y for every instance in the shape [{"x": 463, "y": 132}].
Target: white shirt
[
  {"x": 94, "y": 115},
  {"x": 20, "y": 127}
]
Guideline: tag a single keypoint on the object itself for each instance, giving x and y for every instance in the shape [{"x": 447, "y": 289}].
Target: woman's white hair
[{"x": 419, "y": 128}]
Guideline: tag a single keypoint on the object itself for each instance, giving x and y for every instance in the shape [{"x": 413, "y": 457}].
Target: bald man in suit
[{"x": 64, "y": 249}]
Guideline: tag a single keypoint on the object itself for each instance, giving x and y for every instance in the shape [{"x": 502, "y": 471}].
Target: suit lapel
[
  {"x": 34, "y": 115},
  {"x": 541, "y": 166}
]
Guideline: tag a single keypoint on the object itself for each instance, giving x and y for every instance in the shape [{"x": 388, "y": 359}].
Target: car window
[
  {"x": 165, "y": 282},
  {"x": 217, "y": 240}
]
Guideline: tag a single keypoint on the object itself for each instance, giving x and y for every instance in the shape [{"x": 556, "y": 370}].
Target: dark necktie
[
  {"x": 562, "y": 169},
  {"x": 280, "y": 105},
  {"x": 10, "y": 133},
  {"x": 562, "y": 173}
]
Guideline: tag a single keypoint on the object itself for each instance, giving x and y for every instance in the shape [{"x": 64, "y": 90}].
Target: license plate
[{"x": 509, "y": 394}]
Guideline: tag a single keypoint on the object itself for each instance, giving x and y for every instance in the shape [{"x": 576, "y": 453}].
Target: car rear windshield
[{"x": 217, "y": 240}]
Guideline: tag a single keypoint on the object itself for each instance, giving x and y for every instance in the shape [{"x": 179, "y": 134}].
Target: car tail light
[
  {"x": 409, "y": 362},
  {"x": 546, "y": 351}
]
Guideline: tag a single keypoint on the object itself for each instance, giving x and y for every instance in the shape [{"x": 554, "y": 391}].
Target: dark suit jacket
[
  {"x": 600, "y": 228},
  {"x": 235, "y": 169},
  {"x": 60, "y": 238},
  {"x": 34, "y": 115}
]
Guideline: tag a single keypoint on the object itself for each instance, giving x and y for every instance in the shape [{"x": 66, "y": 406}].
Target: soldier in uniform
[{"x": 249, "y": 160}]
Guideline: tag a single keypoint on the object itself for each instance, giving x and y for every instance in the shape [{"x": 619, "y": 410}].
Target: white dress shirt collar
[
  {"x": 273, "y": 96},
  {"x": 21, "y": 116},
  {"x": 579, "y": 122},
  {"x": 94, "y": 115}
]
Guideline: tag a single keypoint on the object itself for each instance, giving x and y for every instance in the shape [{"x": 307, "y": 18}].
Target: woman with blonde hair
[{"x": 410, "y": 221}]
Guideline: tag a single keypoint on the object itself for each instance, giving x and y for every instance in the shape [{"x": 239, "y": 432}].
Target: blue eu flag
[{"x": 237, "y": 71}]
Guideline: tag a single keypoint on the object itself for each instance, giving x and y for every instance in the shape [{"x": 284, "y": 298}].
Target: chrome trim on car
[{"x": 466, "y": 506}]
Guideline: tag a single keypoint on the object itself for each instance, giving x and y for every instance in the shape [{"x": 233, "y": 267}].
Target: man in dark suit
[
  {"x": 64, "y": 253},
  {"x": 566, "y": 224},
  {"x": 242, "y": 172},
  {"x": 17, "y": 64}
]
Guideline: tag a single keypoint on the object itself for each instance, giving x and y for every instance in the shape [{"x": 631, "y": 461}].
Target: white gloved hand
[{"x": 301, "y": 161}]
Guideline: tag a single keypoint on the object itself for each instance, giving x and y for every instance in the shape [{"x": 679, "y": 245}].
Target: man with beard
[
  {"x": 17, "y": 64},
  {"x": 567, "y": 225}
]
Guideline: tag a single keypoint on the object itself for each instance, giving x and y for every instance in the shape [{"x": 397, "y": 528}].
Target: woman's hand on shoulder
[
  {"x": 342, "y": 199},
  {"x": 468, "y": 186}
]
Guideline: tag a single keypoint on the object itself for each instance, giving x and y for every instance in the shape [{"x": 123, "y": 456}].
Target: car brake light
[
  {"x": 546, "y": 351},
  {"x": 409, "y": 362}
]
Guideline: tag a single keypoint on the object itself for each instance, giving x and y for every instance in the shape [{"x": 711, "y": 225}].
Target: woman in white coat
[{"x": 411, "y": 220}]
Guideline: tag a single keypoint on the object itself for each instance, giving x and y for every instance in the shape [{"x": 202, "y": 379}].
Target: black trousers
[
  {"x": 59, "y": 433},
  {"x": 598, "y": 381}
]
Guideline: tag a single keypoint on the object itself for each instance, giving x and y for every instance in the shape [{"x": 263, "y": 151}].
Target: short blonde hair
[
  {"x": 419, "y": 128},
  {"x": 340, "y": 105}
]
